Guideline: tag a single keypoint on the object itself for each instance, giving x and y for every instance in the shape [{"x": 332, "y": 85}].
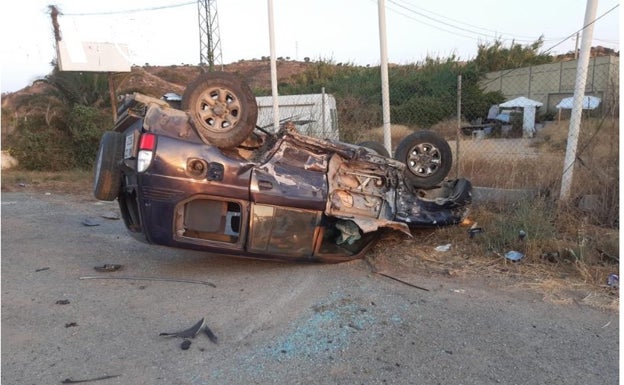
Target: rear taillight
[{"x": 147, "y": 144}]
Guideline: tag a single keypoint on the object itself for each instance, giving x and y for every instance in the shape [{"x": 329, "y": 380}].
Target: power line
[
  {"x": 581, "y": 29},
  {"x": 607, "y": 41},
  {"x": 476, "y": 35},
  {"x": 506, "y": 72},
  {"x": 131, "y": 10},
  {"x": 490, "y": 31},
  {"x": 435, "y": 20},
  {"x": 440, "y": 20}
]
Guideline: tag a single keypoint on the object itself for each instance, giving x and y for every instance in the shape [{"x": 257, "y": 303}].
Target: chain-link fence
[
  {"x": 507, "y": 130},
  {"x": 522, "y": 142}
]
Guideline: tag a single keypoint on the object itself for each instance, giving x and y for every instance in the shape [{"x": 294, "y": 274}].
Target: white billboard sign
[{"x": 93, "y": 57}]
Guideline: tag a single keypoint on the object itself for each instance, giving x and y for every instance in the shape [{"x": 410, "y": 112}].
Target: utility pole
[
  {"x": 577, "y": 101},
  {"x": 274, "y": 91},
  {"x": 385, "y": 88},
  {"x": 209, "y": 38}
]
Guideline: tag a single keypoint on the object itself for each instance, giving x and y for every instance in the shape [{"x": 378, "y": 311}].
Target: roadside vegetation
[{"x": 569, "y": 249}]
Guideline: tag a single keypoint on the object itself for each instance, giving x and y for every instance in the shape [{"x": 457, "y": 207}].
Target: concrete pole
[
  {"x": 385, "y": 88},
  {"x": 273, "y": 68},
  {"x": 577, "y": 101},
  {"x": 459, "y": 100}
]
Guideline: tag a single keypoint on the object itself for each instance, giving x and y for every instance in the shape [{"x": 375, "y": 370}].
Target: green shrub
[
  {"x": 69, "y": 145},
  {"x": 534, "y": 217},
  {"x": 37, "y": 146},
  {"x": 86, "y": 125}
]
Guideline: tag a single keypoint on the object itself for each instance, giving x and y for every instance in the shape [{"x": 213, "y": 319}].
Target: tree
[
  {"x": 495, "y": 56},
  {"x": 86, "y": 88},
  {"x": 64, "y": 123}
]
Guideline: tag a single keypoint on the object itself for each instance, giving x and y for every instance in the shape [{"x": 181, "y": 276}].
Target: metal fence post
[{"x": 324, "y": 127}]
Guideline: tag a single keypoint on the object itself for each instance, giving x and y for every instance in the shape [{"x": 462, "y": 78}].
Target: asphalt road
[{"x": 276, "y": 323}]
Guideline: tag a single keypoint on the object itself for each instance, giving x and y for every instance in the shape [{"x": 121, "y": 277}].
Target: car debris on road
[{"x": 193, "y": 331}]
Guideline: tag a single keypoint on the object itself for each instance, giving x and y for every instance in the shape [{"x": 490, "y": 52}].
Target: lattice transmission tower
[{"x": 209, "y": 38}]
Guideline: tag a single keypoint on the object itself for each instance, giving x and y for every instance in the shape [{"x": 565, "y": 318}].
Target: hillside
[
  {"x": 157, "y": 80},
  {"x": 150, "y": 80}
]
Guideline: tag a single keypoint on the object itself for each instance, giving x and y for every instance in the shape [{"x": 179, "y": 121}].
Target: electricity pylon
[{"x": 209, "y": 39}]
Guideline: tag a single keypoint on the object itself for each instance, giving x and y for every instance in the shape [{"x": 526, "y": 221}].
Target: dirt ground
[
  {"x": 406, "y": 314},
  {"x": 396, "y": 254}
]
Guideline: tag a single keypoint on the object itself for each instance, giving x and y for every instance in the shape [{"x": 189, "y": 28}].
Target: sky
[{"x": 166, "y": 32}]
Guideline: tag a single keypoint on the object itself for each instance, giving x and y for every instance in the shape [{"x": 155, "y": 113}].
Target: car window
[
  {"x": 210, "y": 220},
  {"x": 282, "y": 230}
]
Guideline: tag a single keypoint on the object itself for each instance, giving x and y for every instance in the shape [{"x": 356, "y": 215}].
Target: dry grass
[
  {"x": 77, "y": 183},
  {"x": 397, "y": 132},
  {"x": 538, "y": 163},
  {"x": 560, "y": 280},
  {"x": 569, "y": 252}
]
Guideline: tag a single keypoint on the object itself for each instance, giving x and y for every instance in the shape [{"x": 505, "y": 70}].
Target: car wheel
[
  {"x": 379, "y": 148},
  {"x": 427, "y": 156},
  {"x": 107, "y": 178},
  {"x": 222, "y": 107}
]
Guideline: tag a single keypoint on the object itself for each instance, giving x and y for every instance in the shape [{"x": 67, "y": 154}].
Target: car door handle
[{"x": 265, "y": 185}]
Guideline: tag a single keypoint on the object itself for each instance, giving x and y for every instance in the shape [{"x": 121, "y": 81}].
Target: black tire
[
  {"x": 107, "y": 175},
  {"x": 428, "y": 158},
  {"x": 379, "y": 148},
  {"x": 222, "y": 107}
]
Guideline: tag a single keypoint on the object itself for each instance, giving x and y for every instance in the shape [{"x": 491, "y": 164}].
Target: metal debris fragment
[
  {"x": 153, "y": 279},
  {"x": 211, "y": 336},
  {"x": 188, "y": 333},
  {"x": 70, "y": 381},
  {"x": 111, "y": 215},
  {"x": 613, "y": 280},
  {"x": 446, "y": 247},
  {"x": 42, "y": 269},
  {"x": 108, "y": 267},
  {"x": 192, "y": 333},
  {"x": 474, "y": 231},
  {"x": 521, "y": 235},
  {"x": 62, "y": 302},
  {"x": 514, "y": 256},
  {"x": 402, "y": 281},
  {"x": 90, "y": 222}
]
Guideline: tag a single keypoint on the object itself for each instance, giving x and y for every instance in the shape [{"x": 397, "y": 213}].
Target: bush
[
  {"x": 37, "y": 146},
  {"x": 423, "y": 111},
  {"x": 421, "y": 94},
  {"x": 86, "y": 125},
  {"x": 534, "y": 218},
  {"x": 72, "y": 145}
]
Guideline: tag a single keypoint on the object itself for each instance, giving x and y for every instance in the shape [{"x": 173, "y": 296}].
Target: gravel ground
[{"x": 276, "y": 323}]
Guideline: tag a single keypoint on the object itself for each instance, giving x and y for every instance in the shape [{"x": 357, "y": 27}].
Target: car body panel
[{"x": 286, "y": 196}]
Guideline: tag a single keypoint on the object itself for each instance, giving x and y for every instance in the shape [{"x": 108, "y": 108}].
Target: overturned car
[{"x": 203, "y": 176}]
